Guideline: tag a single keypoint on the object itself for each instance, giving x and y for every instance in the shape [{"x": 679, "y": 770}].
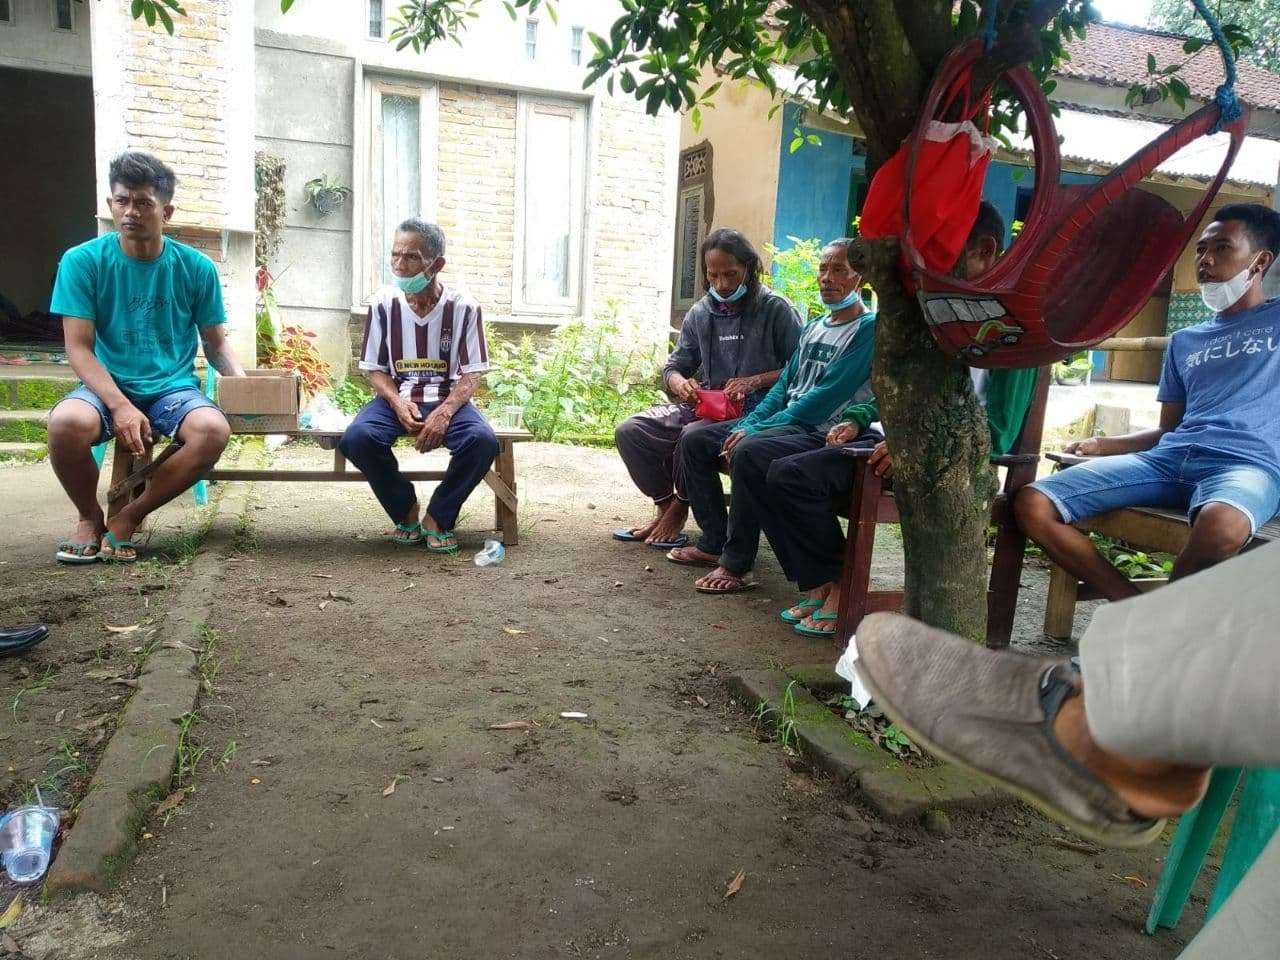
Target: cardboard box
[{"x": 264, "y": 401}]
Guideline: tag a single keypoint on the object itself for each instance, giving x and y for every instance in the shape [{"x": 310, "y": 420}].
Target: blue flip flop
[
  {"x": 625, "y": 535},
  {"x": 786, "y": 616},
  {"x": 680, "y": 541},
  {"x": 820, "y": 617}
]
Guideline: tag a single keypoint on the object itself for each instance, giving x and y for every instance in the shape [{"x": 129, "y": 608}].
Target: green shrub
[
  {"x": 352, "y": 394},
  {"x": 795, "y": 275},
  {"x": 578, "y": 383}
]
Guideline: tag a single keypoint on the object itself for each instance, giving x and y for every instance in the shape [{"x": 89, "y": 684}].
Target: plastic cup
[
  {"x": 26, "y": 842},
  {"x": 511, "y": 416}
]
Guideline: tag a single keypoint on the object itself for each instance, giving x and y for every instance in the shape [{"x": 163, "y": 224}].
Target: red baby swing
[{"x": 1089, "y": 256}]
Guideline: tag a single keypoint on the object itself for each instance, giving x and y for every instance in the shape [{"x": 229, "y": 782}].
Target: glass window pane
[
  {"x": 549, "y": 203},
  {"x": 531, "y": 39},
  {"x": 401, "y": 169},
  {"x": 575, "y": 47},
  {"x": 63, "y": 11},
  {"x": 375, "y": 18}
]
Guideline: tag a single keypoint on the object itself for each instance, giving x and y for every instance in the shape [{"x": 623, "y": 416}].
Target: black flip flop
[{"x": 21, "y": 639}]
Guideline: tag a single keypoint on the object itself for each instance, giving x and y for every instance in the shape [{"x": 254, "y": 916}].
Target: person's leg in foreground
[
  {"x": 472, "y": 448},
  {"x": 1169, "y": 684},
  {"x": 648, "y": 444},
  {"x": 700, "y": 453}
]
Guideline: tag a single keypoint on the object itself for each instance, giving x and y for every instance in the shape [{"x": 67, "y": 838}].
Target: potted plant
[
  {"x": 1073, "y": 371},
  {"x": 326, "y": 194}
]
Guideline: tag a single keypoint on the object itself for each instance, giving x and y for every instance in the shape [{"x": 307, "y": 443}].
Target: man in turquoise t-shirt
[{"x": 134, "y": 303}]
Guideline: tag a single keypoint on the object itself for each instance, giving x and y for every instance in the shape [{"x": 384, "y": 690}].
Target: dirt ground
[{"x": 613, "y": 837}]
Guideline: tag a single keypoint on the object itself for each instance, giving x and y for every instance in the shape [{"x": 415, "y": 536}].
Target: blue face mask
[
  {"x": 732, "y": 298},
  {"x": 414, "y": 284},
  {"x": 855, "y": 296}
]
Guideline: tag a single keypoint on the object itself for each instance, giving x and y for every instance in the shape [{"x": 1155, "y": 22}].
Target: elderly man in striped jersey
[{"x": 424, "y": 353}]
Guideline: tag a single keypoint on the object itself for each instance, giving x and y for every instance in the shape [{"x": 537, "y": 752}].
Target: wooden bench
[
  {"x": 129, "y": 475},
  {"x": 1145, "y": 528},
  {"x": 872, "y": 503}
]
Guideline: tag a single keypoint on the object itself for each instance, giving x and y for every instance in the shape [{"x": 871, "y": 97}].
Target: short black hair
[
  {"x": 134, "y": 169},
  {"x": 989, "y": 224},
  {"x": 1262, "y": 224},
  {"x": 432, "y": 236}
]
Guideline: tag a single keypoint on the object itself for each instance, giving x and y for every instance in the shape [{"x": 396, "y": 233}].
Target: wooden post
[
  {"x": 859, "y": 547},
  {"x": 123, "y": 463},
  {"x": 1060, "y": 609},
  {"x": 507, "y": 517}
]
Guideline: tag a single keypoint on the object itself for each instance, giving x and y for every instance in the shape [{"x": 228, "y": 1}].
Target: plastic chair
[{"x": 1257, "y": 819}]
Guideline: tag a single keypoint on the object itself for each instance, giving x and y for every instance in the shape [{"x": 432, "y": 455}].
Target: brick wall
[
  {"x": 476, "y": 190},
  {"x": 631, "y": 258},
  {"x": 175, "y": 105}
]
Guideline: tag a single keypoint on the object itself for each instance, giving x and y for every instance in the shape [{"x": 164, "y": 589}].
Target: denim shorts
[
  {"x": 165, "y": 413},
  {"x": 1167, "y": 477}
]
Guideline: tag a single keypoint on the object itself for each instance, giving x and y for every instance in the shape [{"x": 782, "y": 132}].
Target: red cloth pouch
[{"x": 716, "y": 405}]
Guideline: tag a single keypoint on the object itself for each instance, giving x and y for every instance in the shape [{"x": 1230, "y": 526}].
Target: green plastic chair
[{"x": 1257, "y": 819}]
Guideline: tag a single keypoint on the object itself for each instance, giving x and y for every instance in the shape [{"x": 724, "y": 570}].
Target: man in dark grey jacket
[{"x": 737, "y": 339}]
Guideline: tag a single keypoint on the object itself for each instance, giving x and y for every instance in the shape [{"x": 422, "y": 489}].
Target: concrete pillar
[{"x": 187, "y": 98}]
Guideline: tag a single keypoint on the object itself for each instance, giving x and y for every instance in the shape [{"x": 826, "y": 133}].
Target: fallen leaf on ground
[
  {"x": 129, "y": 629},
  {"x": 264, "y": 762},
  {"x": 702, "y": 703},
  {"x": 1130, "y": 878},
  {"x": 57, "y": 717},
  {"x": 735, "y": 884},
  {"x": 178, "y": 645},
  {"x": 125, "y": 682},
  {"x": 170, "y": 802},
  {"x": 391, "y": 787},
  {"x": 438, "y": 780},
  {"x": 323, "y": 576},
  {"x": 513, "y": 725},
  {"x": 323, "y": 604},
  {"x": 339, "y": 596},
  {"x": 255, "y": 781},
  {"x": 12, "y": 912},
  {"x": 514, "y": 632},
  {"x": 100, "y": 674}
]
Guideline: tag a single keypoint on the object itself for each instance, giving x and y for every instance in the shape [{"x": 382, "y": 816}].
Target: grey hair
[
  {"x": 842, "y": 243},
  {"x": 432, "y": 236}
]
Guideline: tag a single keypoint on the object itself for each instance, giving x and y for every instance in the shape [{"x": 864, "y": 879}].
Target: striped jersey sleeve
[
  {"x": 374, "y": 355},
  {"x": 473, "y": 351}
]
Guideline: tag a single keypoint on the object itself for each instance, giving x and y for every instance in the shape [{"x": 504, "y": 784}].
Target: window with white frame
[
  {"x": 551, "y": 161},
  {"x": 400, "y": 165},
  {"x": 376, "y": 19},
  {"x": 531, "y": 39},
  {"x": 575, "y": 46},
  {"x": 63, "y": 18}
]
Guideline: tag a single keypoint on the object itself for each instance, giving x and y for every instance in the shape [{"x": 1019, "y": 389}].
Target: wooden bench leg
[
  {"x": 123, "y": 463},
  {"x": 507, "y": 515},
  {"x": 855, "y": 576},
  {"x": 1060, "y": 609}
]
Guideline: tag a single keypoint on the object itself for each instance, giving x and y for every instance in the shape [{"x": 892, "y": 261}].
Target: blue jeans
[
  {"x": 469, "y": 438},
  {"x": 1170, "y": 477},
  {"x": 165, "y": 413}
]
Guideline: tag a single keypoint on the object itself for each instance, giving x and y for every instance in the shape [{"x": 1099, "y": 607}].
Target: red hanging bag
[{"x": 716, "y": 405}]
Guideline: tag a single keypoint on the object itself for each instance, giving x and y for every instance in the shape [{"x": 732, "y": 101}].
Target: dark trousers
[
  {"x": 734, "y": 533},
  {"x": 797, "y": 514},
  {"x": 469, "y": 439},
  {"x": 649, "y": 444}
]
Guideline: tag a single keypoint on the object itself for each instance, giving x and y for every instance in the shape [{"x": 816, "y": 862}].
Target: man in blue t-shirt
[
  {"x": 1216, "y": 453},
  {"x": 134, "y": 305}
]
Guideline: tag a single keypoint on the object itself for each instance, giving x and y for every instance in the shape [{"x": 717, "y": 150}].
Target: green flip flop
[
  {"x": 445, "y": 541},
  {"x": 414, "y": 530},
  {"x": 820, "y": 617},
  {"x": 116, "y": 546},
  {"x": 786, "y": 616}
]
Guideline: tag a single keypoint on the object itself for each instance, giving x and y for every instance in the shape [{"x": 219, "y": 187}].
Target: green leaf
[
  {"x": 511, "y": 11},
  {"x": 163, "y": 14},
  {"x": 137, "y": 9},
  {"x": 797, "y": 143},
  {"x": 149, "y": 14},
  {"x": 285, "y": 5},
  {"x": 1194, "y": 44},
  {"x": 1151, "y": 63}
]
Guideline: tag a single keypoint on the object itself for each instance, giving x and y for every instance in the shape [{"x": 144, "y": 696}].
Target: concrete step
[
  {"x": 34, "y": 386},
  {"x": 23, "y": 452},
  {"x": 23, "y": 426}
]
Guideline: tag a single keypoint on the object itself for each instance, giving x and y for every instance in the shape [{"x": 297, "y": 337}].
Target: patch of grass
[
  {"x": 208, "y": 662},
  {"x": 39, "y": 686},
  {"x": 190, "y": 751},
  {"x": 783, "y": 718}
]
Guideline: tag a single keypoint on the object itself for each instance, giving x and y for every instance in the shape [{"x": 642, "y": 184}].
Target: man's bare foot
[
  {"x": 721, "y": 580},
  {"x": 1150, "y": 788},
  {"x": 408, "y": 530},
  {"x": 83, "y": 544},
  {"x": 693, "y": 557},
  {"x": 670, "y": 523}
]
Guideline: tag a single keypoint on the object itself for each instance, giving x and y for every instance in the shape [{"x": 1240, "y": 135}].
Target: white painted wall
[{"x": 30, "y": 41}]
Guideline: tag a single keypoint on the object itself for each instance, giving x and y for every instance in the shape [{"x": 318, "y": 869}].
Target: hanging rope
[
  {"x": 989, "y": 24},
  {"x": 1226, "y": 94}
]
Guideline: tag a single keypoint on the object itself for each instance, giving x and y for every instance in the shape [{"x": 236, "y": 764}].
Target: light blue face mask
[
  {"x": 855, "y": 296},
  {"x": 414, "y": 284},
  {"x": 731, "y": 298}
]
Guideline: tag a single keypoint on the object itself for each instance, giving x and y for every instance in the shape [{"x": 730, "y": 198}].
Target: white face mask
[{"x": 1225, "y": 294}]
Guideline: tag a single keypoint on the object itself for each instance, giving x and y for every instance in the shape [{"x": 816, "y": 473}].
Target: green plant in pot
[
  {"x": 326, "y": 194},
  {"x": 1073, "y": 371}
]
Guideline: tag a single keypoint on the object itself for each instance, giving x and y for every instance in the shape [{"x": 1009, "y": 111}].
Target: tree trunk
[{"x": 938, "y": 438}]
